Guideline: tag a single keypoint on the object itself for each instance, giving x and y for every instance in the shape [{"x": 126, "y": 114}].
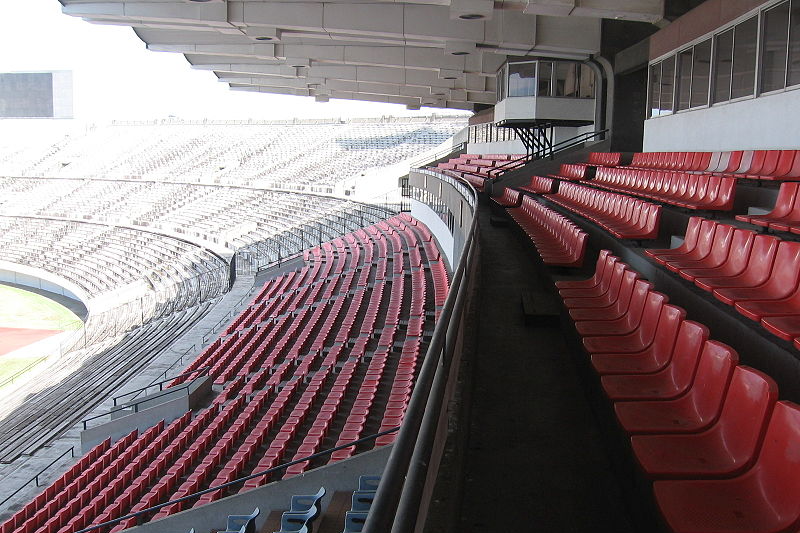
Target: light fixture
[
  {"x": 459, "y": 53},
  {"x": 471, "y": 16},
  {"x": 262, "y": 38}
]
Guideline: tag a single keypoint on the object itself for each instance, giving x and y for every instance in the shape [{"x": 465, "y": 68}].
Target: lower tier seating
[
  {"x": 708, "y": 432},
  {"x": 558, "y": 241},
  {"x": 324, "y": 356}
]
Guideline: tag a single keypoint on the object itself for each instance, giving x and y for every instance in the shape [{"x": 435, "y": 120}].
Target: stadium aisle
[{"x": 538, "y": 465}]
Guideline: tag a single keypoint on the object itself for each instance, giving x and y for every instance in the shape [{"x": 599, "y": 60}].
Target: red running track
[{"x": 14, "y": 338}]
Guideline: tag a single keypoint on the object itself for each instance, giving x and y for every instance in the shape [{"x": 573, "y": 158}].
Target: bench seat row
[
  {"x": 622, "y": 216},
  {"x": 558, "y": 241},
  {"x": 768, "y": 165}
]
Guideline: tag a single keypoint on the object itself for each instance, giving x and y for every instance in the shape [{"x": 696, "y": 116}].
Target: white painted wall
[{"x": 767, "y": 122}]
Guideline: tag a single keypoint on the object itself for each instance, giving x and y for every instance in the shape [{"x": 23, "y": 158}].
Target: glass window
[
  {"x": 744, "y": 58},
  {"x": 774, "y": 40},
  {"x": 655, "y": 89},
  {"x": 586, "y": 85},
  {"x": 684, "y": 78},
  {"x": 723, "y": 61},
  {"x": 545, "y": 78},
  {"x": 566, "y": 79},
  {"x": 521, "y": 79},
  {"x": 667, "y": 85},
  {"x": 701, "y": 68},
  {"x": 793, "y": 77}
]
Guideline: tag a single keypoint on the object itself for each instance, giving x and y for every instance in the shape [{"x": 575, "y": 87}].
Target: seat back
[
  {"x": 785, "y": 271},
  {"x": 711, "y": 381},
  {"x": 741, "y": 244},
  {"x": 778, "y": 465},
  {"x": 745, "y": 413}
]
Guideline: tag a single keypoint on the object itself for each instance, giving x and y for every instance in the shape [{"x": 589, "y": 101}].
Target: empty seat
[
  {"x": 539, "y": 185},
  {"x": 764, "y": 499},
  {"x": 694, "y": 411},
  {"x": 782, "y": 280},
  {"x": 726, "y": 448},
  {"x": 676, "y": 337},
  {"x": 635, "y": 341},
  {"x": 756, "y": 271}
]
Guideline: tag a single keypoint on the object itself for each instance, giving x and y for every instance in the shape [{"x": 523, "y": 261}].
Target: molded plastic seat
[
  {"x": 672, "y": 337},
  {"x": 637, "y": 340},
  {"x": 695, "y": 410},
  {"x": 727, "y": 447},
  {"x": 243, "y": 523},
  {"x": 785, "y": 327},
  {"x": 701, "y": 248},
  {"x": 716, "y": 256},
  {"x": 759, "y": 266},
  {"x": 782, "y": 280},
  {"x": 620, "y": 318},
  {"x": 596, "y": 290},
  {"x": 765, "y": 499},
  {"x": 735, "y": 261},
  {"x": 784, "y": 204},
  {"x": 674, "y": 380},
  {"x": 602, "y": 263},
  {"x": 606, "y": 299}
]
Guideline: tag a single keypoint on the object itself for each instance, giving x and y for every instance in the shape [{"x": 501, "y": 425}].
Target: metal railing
[
  {"x": 35, "y": 478},
  {"x": 134, "y": 406},
  {"x": 200, "y": 372},
  {"x": 398, "y": 504}
]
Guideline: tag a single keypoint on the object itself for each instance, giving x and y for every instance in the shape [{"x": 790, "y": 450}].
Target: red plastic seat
[
  {"x": 602, "y": 262},
  {"x": 726, "y": 448},
  {"x": 672, "y": 337},
  {"x": 700, "y": 249},
  {"x": 603, "y": 300},
  {"x": 716, "y": 256},
  {"x": 756, "y": 272},
  {"x": 764, "y": 499},
  {"x": 692, "y": 412},
  {"x": 620, "y": 318},
  {"x": 784, "y": 204},
  {"x": 637, "y": 340},
  {"x": 782, "y": 280},
  {"x": 670, "y": 382},
  {"x": 689, "y": 241},
  {"x": 735, "y": 261},
  {"x": 785, "y": 327}
]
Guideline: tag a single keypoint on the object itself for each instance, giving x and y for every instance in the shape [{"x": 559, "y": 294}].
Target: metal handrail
[
  {"x": 70, "y": 450},
  {"x": 558, "y": 147},
  {"x": 240, "y": 480},
  {"x": 135, "y": 405},
  {"x": 204, "y": 370},
  {"x": 438, "y": 155},
  {"x": 395, "y": 507}
]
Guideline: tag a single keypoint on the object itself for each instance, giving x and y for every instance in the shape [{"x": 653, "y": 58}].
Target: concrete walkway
[{"x": 534, "y": 459}]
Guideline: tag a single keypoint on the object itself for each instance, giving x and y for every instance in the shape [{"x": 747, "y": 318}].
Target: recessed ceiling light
[
  {"x": 459, "y": 53},
  {"x": 262, "y": 38},
  {"x": 449, "y": 78},
  {"x": 471, "y": 16}
]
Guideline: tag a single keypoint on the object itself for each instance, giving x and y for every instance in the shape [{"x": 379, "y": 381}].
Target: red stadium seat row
[
  {"x": 539, "y": 185},
  {"x": 757, "y": 274},
  {"x": 558, "y": 241},
  {"x": 477, "y": 168},
  {"x": 274, "y": 405},
  {"x": 691, "y": 191},
  {"x": 509, "y": 198},
  {"x": 709, "y": 433},
  {"x": 785, "y": 215},
  {"x": 604, "y": 159},
  {"x": 622, "y": 216},
  {"x": 750, "y": 164},
  {"x": 572, "y": 172}
]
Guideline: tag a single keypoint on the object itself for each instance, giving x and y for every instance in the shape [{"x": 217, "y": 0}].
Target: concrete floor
[{"x": 534, "y": 458}]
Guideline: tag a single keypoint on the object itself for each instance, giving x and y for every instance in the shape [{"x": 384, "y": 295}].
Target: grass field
[{"x": 23, "y": 309}]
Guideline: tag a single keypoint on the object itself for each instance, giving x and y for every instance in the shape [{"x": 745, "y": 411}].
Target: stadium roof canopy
[{"x": 436, "y": 53}]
